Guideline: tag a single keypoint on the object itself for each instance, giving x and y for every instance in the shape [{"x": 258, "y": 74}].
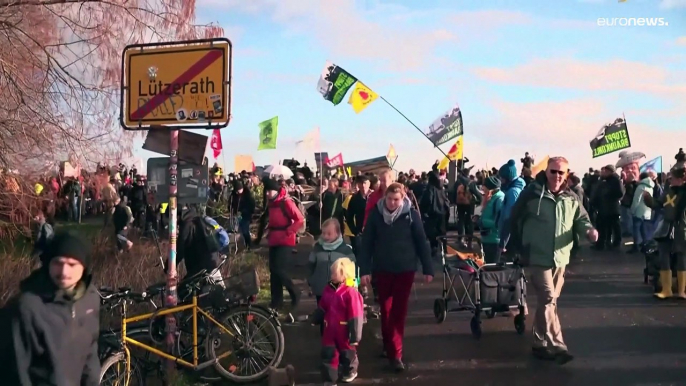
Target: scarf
[
  {"x": 332, "y": 246},
  {"x": 389, "y": 216}
]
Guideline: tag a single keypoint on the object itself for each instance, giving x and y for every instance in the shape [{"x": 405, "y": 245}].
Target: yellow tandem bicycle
[{"x": 221, "y": 333}]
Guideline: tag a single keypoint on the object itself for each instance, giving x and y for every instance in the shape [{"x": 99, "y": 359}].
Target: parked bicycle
[{"x": 221, "y": 333}]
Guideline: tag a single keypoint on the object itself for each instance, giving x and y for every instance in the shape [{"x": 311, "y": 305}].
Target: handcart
[{"x": 490, "y": 288}]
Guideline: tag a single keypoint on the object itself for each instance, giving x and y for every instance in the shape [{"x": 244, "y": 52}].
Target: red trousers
[
  {"x": 394, "y": 296},
  {"x": 337, "y": 352}
]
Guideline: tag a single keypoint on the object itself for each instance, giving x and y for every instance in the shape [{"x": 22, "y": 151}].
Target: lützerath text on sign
[
  {"x": 611, "y": 137},
  {"x": 178, "y": 84}
]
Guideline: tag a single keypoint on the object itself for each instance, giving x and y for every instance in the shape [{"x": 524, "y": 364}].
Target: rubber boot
[
  {"x": 666, "y": 283},
  {"x": 681, "y": 284}
]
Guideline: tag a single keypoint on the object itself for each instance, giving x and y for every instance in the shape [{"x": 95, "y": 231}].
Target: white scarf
[{"x": 389, "y": 216}]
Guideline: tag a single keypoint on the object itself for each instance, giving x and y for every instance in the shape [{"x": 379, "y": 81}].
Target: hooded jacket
[
  {"x": 54, "y": 336},
  {"x": 543, "y": 225},
  {"x": 320, "y": 261},
  {"x": 606, "y": 195},
  {"x": 673, "y": 206},
  {"x": 394, "y": 247},
  {"x": 192, "y": 245},
  {"x": 489, "y": 218},
  {"x": 512, "y": 192},
  {"x": 285, "y": 219},
  {"x": 638, "y": 207}
]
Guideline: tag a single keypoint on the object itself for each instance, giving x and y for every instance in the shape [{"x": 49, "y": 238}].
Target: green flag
[{"x": 269, "y": 130}]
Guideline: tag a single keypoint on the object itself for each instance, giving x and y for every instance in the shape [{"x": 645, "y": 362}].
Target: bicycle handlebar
[{"x": 108, "y": 295}]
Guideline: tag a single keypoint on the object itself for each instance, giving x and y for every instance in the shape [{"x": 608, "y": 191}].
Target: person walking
[
  {"x": 540, "y": 225},
  {"x": 433, "y": 207},
  {"x": 285, "y": 220},
  {"x": 605, "y": 199},
  {"x": 488, "y": 222},
  {"x": 641, "y": 213},
  {"x": 671, "y": 233},
  {"x": 56, "y": 320},
  {"x": 393, "y": 243},
  {"x": 512, "y": 186}
]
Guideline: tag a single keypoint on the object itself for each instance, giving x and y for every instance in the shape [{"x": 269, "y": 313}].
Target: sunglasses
[{"x": 558, "y": 172}]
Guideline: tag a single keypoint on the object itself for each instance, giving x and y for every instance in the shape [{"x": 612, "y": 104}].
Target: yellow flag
[
  {"x": 542, "y": 165},
  {"x": 350, "y": 171},
  {"x": 454, "y": 153},
  {"x": 361, "y": 97}
]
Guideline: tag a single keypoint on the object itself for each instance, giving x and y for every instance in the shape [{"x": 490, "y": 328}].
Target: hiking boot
[
  {"x": 398, "y": 365},
  {"x": 542, "y": 353},
  {"x": 563, "y": 357},
  {"x": 347, "y": 378}
]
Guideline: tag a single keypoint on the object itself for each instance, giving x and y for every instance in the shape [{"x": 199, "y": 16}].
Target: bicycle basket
[{"x": 242, "y": 286}]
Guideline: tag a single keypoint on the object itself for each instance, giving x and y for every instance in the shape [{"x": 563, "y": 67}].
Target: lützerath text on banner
[
  {"x": 611, "y": 137},
  {"x": 334, "y": 83},
  {"x": 446, "y": 127}
]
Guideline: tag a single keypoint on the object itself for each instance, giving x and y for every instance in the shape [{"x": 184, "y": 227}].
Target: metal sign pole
[{"x": 172, "y": 275}]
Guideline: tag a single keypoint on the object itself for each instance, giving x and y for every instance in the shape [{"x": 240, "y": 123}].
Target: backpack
[
  {"x": 464, "y": 196},
  {"x": 301, "y": 208},
  {"x": 216, "y": 237}
]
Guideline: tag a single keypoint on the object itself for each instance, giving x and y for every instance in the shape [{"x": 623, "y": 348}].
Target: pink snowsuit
[{"x": 343, "y": 312}]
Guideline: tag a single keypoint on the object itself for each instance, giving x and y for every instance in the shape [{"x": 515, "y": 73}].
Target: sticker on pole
[
  {"x": 181, "y": 115},
  {"x": 169, "y": 84}
]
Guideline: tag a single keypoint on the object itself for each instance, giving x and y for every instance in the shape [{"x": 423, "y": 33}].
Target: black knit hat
[
  {"x": 67, "y": 244},
  {"x": 270, "y": 184}
]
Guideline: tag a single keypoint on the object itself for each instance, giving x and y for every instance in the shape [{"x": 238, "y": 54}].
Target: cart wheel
[
  {"x": 520, "y": 323},
  {"x": 490, "y": 314},
  {"x": 440, "y": 310},
  {"x": 475, "y": 325}
]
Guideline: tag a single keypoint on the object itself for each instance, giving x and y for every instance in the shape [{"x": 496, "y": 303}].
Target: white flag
[{"x": 311, "y": 140}]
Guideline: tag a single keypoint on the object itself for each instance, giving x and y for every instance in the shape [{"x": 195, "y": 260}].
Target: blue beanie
[{"x": 508, "y": 171}]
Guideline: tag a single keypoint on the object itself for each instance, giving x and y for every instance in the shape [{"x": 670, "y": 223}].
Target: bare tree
[{"x": 60, "y": 62}]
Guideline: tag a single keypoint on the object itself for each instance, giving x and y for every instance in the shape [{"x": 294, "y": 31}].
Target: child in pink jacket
[{"x": 341, "y": 310}]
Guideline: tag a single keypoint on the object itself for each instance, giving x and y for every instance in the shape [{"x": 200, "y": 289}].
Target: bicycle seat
[{"x": 159, "y": 287}]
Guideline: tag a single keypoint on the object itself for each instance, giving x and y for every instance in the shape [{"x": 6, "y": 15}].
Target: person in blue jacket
[
  {"x": 488, "y": 224},
  {"x": 512, "y": 186}
]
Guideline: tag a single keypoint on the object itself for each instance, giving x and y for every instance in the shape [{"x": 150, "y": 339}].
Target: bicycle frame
[{"x": 173, "y": 310}]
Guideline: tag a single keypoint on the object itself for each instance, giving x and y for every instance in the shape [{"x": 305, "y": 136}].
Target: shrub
[{"x": 137, "y": 269}]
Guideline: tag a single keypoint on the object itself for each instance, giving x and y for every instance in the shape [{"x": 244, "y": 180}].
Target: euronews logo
[{"x": 632, "y": 22}]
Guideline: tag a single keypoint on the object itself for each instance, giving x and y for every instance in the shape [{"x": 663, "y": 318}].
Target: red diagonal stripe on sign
[{"x": 186, "y": 77}]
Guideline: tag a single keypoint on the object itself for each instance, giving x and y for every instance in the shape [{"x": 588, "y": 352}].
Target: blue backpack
[{"x": 216, "y": 237}]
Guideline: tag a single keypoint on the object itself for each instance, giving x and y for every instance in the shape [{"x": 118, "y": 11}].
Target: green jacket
[
  {"x": 543, "y": 225},
  {"x": 489, "y": 219}
]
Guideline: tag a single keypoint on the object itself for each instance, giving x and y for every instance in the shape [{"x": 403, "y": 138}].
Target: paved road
[{"x": 618, "y": 333}]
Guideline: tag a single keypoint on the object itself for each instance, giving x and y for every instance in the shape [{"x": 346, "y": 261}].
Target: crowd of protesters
[{"x": 392, "y": 225}]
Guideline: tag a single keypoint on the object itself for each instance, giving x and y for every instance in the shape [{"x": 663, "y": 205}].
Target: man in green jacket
[{"x": 543, "y": 222}]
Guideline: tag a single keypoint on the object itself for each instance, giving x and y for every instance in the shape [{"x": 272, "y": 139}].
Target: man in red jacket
[
  {"x": 285, "y": 220},
  {"x": 385, "y": 179}
]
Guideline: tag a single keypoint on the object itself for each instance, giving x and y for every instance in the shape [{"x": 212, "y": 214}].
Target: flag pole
[{"x": 412, "y": 123}]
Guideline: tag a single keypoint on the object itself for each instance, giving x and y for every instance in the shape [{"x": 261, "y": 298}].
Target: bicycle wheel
[
  {"x": 257, "y": 344},
  {"x": 184, "y": 348},
  {"x": 113, "y": 372}
]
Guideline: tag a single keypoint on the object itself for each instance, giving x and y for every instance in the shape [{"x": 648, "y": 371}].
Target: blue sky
[{"x": 537, "y": 76}]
